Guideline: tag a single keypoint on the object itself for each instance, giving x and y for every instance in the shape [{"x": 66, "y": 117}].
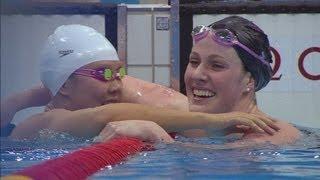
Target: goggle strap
[
  {"x": 84, "y": 74},
  {"x": 251, "y": 52},
  {"x": 85, "y": 70}
]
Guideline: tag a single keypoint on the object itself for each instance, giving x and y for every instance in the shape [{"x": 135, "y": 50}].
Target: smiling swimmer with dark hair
[{"x": 81, "y": 69}]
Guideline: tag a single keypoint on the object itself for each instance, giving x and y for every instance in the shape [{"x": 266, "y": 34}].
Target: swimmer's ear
[
  {"x": 249, "y": 80},
  {"x": 66, "y": 89}
]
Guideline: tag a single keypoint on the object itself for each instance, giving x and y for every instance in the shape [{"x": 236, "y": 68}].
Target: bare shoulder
[
  {"x": 286, "y": 135},
  {"x": 30, "y": 127},
  {"x": 27, "y": 128},
  {"x": 143, "y": 92}
]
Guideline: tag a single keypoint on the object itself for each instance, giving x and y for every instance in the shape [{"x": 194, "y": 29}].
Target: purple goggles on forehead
[{"x": 224, "y": 37}]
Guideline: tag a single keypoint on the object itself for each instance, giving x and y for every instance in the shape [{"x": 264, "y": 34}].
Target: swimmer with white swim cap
[
  {"x": 74, "y": 55},
  {"x": 84, "y": 75},
  {"x": 82, "y": 70}
]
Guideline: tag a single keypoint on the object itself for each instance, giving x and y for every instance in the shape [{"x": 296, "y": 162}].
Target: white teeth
[{"x": 206, "y": 93}]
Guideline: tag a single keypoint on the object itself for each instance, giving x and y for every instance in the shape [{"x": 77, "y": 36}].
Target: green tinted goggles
[{"x": 102, "y": 74}]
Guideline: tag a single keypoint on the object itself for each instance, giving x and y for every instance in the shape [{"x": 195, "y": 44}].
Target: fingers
[
  {"x": 268, "y": 121},
  {"x": 106, "y": 134},
  {"x": 163, "y": 136},
  {"x": 267, "y": 116},
  {"x": 256, "y": 128},
  {"x": 250, "y": 123},
  {"x": 272, "y": 125},
  {"x": 258, "y": 125},
  {"x": 144, "y": 130},
  {"x": 264, "y": 123},
  {"x": 264, "y": 127}
]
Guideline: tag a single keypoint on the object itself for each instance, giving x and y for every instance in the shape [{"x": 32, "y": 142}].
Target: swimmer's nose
[
  {"x": 199, "y": 74},
  {"x": 115, "y": 86}
]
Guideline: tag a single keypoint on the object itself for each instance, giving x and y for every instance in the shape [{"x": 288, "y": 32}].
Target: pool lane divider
[{"x": 82, "y": 163}]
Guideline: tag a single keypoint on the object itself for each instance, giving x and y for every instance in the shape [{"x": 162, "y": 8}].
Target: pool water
[{"x": 300, "y": 160}]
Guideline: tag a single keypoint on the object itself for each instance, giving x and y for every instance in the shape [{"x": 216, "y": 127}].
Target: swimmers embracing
[{"x": 220, "y": 89}]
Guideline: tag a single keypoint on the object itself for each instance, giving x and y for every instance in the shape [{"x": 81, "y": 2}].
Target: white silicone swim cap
[{"x": 69, "y": 48}]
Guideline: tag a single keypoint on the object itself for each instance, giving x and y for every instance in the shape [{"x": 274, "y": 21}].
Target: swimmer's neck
[{"x": 247, "y": 104}]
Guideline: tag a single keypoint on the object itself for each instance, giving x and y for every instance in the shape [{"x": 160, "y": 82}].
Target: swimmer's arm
[
  {"x": 170, "y": 120},
  {"x": 79, "y": 123},
  {"x": 179, "y": 121},
  {"x": 36, "y": 96},
  {"x": 89, "y": 122}
]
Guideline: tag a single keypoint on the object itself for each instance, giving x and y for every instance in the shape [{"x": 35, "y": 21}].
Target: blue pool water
[{"x": 300, "y": 160}]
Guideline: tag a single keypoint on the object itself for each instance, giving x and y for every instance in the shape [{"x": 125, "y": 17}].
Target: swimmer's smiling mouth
[{"x": 203, "y": 93}]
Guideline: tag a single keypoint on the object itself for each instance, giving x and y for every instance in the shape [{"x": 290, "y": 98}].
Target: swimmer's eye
[
  {"x": 122, "y": 72},
  {"x": 194, "y": 62},
  {"x": 215, "y": 65},
  {"x": 107, "y": 74}
]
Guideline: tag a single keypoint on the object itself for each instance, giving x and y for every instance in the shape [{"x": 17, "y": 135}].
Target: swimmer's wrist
[{"x": 206, "y": 120}]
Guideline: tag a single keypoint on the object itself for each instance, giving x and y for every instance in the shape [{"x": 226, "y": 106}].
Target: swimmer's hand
[
  {"x": 240, "y": 122},
  {"x": 145, "y": 130}
]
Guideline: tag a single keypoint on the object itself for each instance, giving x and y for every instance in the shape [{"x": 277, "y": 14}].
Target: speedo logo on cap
[{"x": 65, "y": 52}]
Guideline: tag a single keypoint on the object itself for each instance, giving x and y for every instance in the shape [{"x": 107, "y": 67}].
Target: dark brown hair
[{"x": 254, "y": 38}]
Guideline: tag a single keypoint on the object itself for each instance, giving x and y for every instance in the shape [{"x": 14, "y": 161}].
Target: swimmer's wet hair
[{"x": 254, "y": 38}]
